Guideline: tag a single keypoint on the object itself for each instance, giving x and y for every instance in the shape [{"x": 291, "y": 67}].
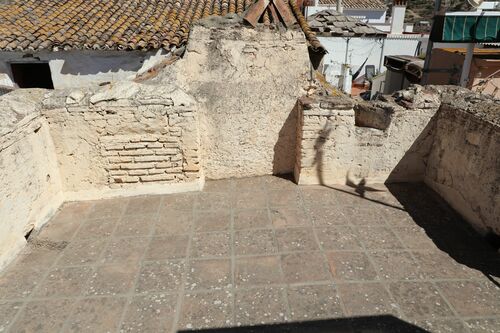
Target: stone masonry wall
[
  {"x": 124, "y": 138},
  {"x": 464, "y": 162},
  {"x": 30, "y": 187},
  {"x": 344, "y": 141}
]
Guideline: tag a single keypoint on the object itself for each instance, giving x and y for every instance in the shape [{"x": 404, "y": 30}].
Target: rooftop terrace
[{"x": 256, "y": 251}]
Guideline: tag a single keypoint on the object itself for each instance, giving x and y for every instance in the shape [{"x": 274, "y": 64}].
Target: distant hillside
[{"x": 422, "y": 10}]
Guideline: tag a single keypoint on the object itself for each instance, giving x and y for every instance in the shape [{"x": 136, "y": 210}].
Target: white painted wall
[
  {"x": 361, "y": 48},
  {"x": 74, "y": 69}
]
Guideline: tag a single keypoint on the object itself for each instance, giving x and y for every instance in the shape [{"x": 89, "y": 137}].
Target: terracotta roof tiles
[
  {"x": 105, "y": 24},
  {"x": 357, "y": 4}
]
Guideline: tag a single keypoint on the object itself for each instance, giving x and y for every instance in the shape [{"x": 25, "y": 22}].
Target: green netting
[{"x": 471, "y": 29}]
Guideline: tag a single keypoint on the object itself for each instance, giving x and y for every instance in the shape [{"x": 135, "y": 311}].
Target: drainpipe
[{"x": 464, "y": 78}]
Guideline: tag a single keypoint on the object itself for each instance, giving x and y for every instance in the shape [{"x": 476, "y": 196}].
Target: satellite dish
[{"x": 475, "y": 3}]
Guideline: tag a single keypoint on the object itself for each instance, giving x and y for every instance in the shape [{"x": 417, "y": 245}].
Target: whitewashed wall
[
  {"x": 75, "y": 69},
  {"x": 361, "y": 48}
]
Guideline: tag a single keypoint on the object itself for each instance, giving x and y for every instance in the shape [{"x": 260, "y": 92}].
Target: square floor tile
[
  {"x": 289, "y": 217},
  {"x": 167, "y": 247},
  {"x": 483, "y": 325},
  {"x": 151, "y": 313},
  {"x": 314, "y": 302},
  {"x": 471, "y": 298},
  {"x": 143, "y": 205},
  {"x": 251, "y": 219},
  {"x": 178, "y": 201},
  {"x": 209, "y": 274},
  {"x": 445, "y": 325},
  {"x": 260, "y": 306},
  {"x": 58, "y": 232},
  {"x": 250, "y": 200},
  {"x": 414, "y": 238},
  {"x": 365, "y": 215},
  {"x": 250, "y": 184},
  {"x": 96, "y": 315},
  {"x": 305, "y": 267},
  {"x": 253, "y": 242},
  {"x": 350, "y": 266},
  {"x": 318, "y": 196},
  {"x": 366, "y": 299},
  {"x": 419, "y": 299},
  {"x": 206, "y": 310},
  {"x": 136, "y": 225},
  {"x": 125, "y": 250},
  {"x": 8, "y": 311},
  {"x": 211, "y": 244},
  {"x": 296, "y": 239},
  {"x": 219, "y": 220},
  {"x": 82, "y": 252},
  {"x": 378, "y": 238},
  {"x": 338, "y": 238},
  {"x": 97, "y": 228},
  {"x": 73, "y": 211},
  {"x": 327, "y": 215},
  {"x": 165, "y": 275},
  {"x": 213, "y": 201},
  {"x": 174, "y": 222},
  {"x": 64, "y": 282},
  {"x": 108, "y": 208},
  {"x": 42, "y": 316},
  {"x": 40, "y": 253},
  {"x": 19, "y": 282},
  {"x": 287, "y": 197},
  {"x": 112, "y": 279},
  {"x": 395, "y": 265},
  {"x": 220, "y": 185},
  {"x": 257, "y": 271},
  {"x": 439, "y": 265}
]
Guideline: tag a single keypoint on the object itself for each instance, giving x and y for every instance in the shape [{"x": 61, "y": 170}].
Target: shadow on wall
[
  {"x": 87, "y": 64},
  {"x": 384, "y": 323},
  {"x": 284, "y": 149},
  {"x": 447, "y": 229}
]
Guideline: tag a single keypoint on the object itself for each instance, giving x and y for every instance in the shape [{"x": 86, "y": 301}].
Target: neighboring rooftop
[
  {"x": 356, "y": 4},
  {"x": 105, "y": 24},
  {"x": 328, "y": 23}
]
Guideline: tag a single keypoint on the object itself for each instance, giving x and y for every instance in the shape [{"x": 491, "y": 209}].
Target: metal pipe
[{"x": 464, "y": 78}]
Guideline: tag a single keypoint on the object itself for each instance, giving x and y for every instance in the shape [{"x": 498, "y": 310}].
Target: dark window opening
[{"x": 32, "y": 75}]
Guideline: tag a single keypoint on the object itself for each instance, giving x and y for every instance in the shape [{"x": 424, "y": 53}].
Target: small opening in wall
[
  {"x": 28, "y": 234},
  {"x": 32, "y": 75}
]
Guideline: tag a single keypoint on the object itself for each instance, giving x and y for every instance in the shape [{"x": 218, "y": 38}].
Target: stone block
[
  {"x": 133, "y": 166},
  {"x": 113, "y": 146},
  {"x": 138, "y": 172},
  {"x": 126, "y": 179},
  {"x": 155, "y": 145},
  {"x": 156, "y": 171},
  {"x": 163, "y": 165},
  {"x": 166, "y": 151},
  {"x": 156, "y": 178},
  {"x": 120, "y": 159},
  {"x": 151, "y": 158},
  {"x": 138, "y": 152},
  {"x": 135, "y": 145}
]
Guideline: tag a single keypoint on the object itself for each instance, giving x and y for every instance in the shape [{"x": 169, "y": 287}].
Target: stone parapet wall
[
  {"x": 30, "y": 186},
  {"x": 124, "y": 137},
  {"x": 343, "y": 141}
]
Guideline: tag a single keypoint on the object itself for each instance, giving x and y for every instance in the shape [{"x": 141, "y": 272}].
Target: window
[{"x": 32, "y": 75}]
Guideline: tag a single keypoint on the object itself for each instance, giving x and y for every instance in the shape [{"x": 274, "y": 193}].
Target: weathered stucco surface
[
  {"x": 464, "y": 163},
  {"x": 30, "y": 188},
  {"x": 247, "y": 82}
]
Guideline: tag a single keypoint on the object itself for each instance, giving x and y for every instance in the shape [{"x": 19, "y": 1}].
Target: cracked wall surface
[{"x": 246, "y": 82}]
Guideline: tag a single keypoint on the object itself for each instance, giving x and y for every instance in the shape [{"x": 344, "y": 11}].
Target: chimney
[
  {"x": 340, "y": 9},
  {"x": 398, "y": 16}
]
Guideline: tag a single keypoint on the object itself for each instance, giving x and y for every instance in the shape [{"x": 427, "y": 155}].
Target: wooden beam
[
  {"x": 274, "y": 14},
  {"x": 285, "y": 12},
  {"x": 256, "y": 11}
]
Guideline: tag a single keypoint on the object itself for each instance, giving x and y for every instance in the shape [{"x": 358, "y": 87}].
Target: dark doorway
[{"x": 32, "y": 75}]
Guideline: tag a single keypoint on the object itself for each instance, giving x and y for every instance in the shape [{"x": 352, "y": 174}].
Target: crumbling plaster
[
  {"x": 246, "y": 82},
  {"x": 30, "y": 187}
]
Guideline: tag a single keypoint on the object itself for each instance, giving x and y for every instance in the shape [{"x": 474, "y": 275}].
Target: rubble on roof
[
  {"x": 356, "y": 4},
  {"x": 330, "y": 23}
]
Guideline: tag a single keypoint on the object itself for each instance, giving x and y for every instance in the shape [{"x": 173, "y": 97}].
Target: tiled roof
[
  {"x": 357, "y": 4},
  {"x": 105, "y": 24},
  {"x": 331, "y": 23}
]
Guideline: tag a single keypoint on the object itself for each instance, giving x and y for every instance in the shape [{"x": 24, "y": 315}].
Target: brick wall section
[{"x": 144, "y": 137}]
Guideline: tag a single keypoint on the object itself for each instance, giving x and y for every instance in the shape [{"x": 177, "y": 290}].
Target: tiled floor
[{"x": 255, "y": 251}]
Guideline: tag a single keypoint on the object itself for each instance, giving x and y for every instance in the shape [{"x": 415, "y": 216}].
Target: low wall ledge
[{"x": 340, "y": 102}]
